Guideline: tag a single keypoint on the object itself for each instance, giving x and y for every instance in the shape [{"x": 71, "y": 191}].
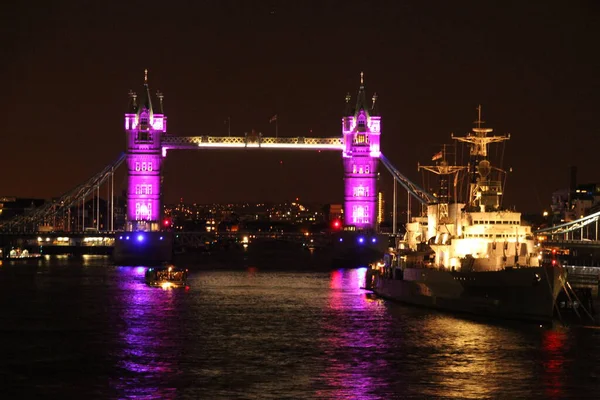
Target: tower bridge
[{"x": 149, "y": 143}]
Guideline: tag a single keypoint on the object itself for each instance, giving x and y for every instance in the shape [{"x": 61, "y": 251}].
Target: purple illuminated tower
[
  {"x": 361, "y": 128},
  {"x": 144, "y": 127}
]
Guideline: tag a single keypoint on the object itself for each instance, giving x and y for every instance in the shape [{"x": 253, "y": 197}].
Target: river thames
[{"x": 84, "y": 328}]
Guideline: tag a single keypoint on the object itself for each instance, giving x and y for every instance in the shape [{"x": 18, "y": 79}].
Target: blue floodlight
[
  {"x": 361, "y": 239},
  {"x": 160, "y": 238},
  {"x": 126, "y": 237},
  {"x": 341, "y": 239},
  {"x": 121, "y": 237},
  {"x": 374, "y": 240},
  {"x": 140, "y": 238}
]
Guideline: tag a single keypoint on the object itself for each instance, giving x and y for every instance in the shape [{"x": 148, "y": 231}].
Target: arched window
[
  {"x": 361, "y": 123},
  {"x": 144, "y": 119}
]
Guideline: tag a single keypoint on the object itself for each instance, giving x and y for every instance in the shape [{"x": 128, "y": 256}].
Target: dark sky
[{"x": 66, "y": 68}]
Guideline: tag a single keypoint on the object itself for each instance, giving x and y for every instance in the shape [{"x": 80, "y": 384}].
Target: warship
[{"x": 475, "y": 256}]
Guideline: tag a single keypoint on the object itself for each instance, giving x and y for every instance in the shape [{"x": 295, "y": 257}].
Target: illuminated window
[
  {"x": 361, "y": 191},
  {"x": 144, "y": 189},
  {"x": 360, "y": 169},
  {"x": 354, "y": 168},
  {"x": 360, "y": 214},
  {"x": 361, "y": 123},
  {"x": 361, "y": 138},
  {"x": 137, "y": 189},
  {"x": 149, "y": 189},
  {"x": 144, "y": 119},
  {"x": 137, "y": 166},
  {"x": 366, "y": 169},
  {"x": 143, "y": 166},
  {"x": 143, "y": 211},
  {"x": 150, "y": 166}
]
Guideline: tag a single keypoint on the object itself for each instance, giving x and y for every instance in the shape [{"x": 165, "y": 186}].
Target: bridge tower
[
  {"x": 361, "y": 128},
  {"x": 144, "y": 127}
]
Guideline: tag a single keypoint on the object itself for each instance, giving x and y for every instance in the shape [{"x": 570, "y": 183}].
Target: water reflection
[
  {"x": 554, "y": 347},
  {"x": 150, "y": 343},
  {"x": 351, "y": 346},
  {"x": 254, "y": 333}
]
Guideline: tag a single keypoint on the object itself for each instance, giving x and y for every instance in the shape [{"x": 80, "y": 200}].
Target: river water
[{"x": 84, "y": 328}]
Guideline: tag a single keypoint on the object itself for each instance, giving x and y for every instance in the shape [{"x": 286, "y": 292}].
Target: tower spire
[
  {"x": 144, "y": 100},
  {"x": 361, "y": 98}
]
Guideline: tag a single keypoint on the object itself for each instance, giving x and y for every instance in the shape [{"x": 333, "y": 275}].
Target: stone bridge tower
[
  {"x": 144, "y": 127},
  {"x": 361, "y": 128}
]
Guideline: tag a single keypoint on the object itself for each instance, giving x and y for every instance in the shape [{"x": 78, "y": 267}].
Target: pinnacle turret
[
  {"x": 361, "y": 98},
  {"x": 145, "y": 100}
]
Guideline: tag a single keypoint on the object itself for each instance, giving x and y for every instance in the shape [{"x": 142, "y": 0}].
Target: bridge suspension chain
[
  {"x": 66, "y": 201},
  {"x": 418, "y": 193}
]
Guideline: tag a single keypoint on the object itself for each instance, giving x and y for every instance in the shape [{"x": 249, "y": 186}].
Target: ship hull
[{"x": 523, "y": 294}]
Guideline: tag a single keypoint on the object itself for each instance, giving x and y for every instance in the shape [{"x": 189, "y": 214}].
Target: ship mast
[
  {"x": 483, "y": 193},
  {"x": 443, "y": 170}
]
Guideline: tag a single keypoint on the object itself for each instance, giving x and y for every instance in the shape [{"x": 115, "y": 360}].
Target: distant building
[
  {"x": 12, "y": 206},
  {"x": 335, "y": 212},
  {"x": 569, "y": 205}
]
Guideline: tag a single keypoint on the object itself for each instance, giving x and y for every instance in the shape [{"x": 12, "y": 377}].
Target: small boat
[
  {"x": 17, "y": 254},
  {"x": 166, "y": 277}
]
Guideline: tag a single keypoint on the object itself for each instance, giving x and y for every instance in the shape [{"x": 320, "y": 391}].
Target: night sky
[{"x": 66, "y": 69}]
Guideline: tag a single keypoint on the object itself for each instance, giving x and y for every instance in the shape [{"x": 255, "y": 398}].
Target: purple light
[
  {"x": 374, "y": 240},
  {"x": 361, "y": 239},
  {"x": 160, "y": 238},
  {"x": 144, "y": 128},
  {"x": 140, "y": 238},
  {"x": 341, "y": 239},
  {"x": 361, "y": 132},
  {"x": 126, "y": 237},
  {"x": 121, "y": 237}
]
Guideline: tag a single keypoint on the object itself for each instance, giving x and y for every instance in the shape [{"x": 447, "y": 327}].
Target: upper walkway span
[{"x": 226, "y": 142}]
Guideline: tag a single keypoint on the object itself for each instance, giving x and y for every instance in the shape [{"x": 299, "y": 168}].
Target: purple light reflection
[
  {"x": 353, "y": 377},
  {"x": 150, "y": 347}
]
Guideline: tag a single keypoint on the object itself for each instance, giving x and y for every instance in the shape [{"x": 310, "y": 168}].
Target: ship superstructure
[{"x": 476, "y": 235}]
